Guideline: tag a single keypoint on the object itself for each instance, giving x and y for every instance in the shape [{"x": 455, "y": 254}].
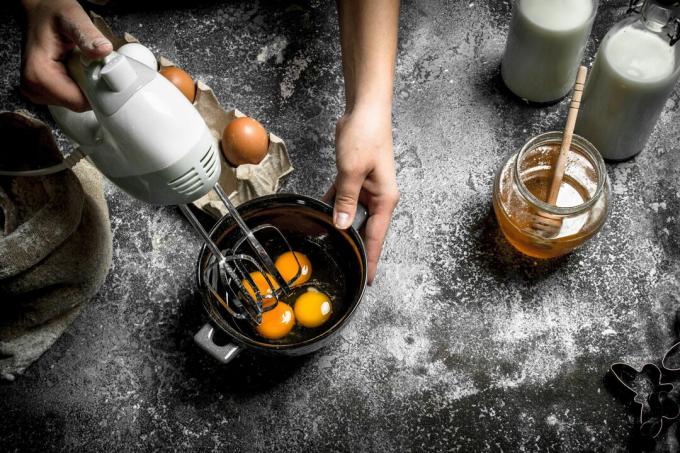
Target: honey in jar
[{"x": 522, "y": 185}]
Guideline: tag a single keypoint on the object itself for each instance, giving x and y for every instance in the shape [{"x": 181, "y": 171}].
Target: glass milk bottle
[
  {"x": 634, "y": 72},
  {"x": 545, "y": 46}
]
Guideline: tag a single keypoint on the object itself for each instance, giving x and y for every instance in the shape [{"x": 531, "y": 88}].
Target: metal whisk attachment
[{"x": 228, "y": 273}]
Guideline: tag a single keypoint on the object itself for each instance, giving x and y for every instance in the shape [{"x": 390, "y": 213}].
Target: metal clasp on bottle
[
  {"x": 635, "y": 6},
  {"x": 674, "y": 34}
]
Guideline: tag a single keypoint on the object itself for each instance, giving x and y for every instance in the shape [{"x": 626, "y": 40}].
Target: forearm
[{"x": 368, "y": 35}]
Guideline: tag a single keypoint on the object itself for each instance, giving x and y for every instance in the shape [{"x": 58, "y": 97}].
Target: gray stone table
[{"x": 461, "y": 344}]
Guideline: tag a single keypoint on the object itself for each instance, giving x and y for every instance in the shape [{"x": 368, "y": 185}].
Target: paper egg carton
[{"x": 244, "y": 182}]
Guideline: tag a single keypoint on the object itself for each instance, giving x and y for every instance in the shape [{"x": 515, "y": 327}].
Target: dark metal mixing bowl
[{"x": 299, "y": 218}]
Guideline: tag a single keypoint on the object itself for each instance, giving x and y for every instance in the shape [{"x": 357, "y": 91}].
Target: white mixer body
[{"x": 142, "y": 133}]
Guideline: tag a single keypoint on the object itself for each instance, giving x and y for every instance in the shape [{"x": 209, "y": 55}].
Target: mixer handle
[{"x": 224, "y": 354}]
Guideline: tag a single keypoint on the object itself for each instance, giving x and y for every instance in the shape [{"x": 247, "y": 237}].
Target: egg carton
[{"x": 244, "y": 182}]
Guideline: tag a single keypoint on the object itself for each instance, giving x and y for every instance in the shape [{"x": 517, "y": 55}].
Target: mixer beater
[{"x": 228, "y": 270}]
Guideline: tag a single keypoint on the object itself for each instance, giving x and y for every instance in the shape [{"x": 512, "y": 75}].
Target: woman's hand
[
  {"x": 53, "y": 28},
  {"x": 363, "y": 136},
  {"x": 366, "y": 173}
]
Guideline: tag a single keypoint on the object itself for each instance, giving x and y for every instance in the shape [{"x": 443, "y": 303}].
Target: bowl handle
[
  {"x": 360, "y": 216},
  {"x": 224, "y": 354}
]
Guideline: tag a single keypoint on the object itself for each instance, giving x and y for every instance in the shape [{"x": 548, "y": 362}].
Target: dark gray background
[{"x": 461, "y": 344}]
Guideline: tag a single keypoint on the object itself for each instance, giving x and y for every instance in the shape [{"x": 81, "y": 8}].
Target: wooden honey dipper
[{"x": 543, "y": 222}]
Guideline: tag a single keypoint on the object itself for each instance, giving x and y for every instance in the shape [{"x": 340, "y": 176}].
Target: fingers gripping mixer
[
  {"x": 147, "y": 138},
  {"x": 142, "y": 133}
]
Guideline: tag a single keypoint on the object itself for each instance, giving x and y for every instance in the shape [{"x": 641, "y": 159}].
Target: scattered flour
[
  {"x": 293, "y": 72},
  {"x": 275, "y": 50}
]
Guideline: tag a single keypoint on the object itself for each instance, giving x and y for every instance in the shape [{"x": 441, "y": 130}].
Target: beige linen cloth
[{"x": 55, "y": 243}]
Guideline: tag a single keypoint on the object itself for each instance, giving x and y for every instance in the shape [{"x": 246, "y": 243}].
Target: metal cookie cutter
[
  {"x": 658, "y": 399},
  {"x": 671, "y": 359}
]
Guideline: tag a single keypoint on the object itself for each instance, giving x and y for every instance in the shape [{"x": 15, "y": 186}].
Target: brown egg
[
  {"x": 181, "y": 80},
  {"x": 244, "y": 141}
]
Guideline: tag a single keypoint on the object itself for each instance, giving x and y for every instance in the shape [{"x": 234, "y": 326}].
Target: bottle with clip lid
[{"x": 635, "y": 70}]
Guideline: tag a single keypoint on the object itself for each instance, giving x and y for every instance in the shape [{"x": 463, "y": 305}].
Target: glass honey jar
[{"x": 522, "y": 185}]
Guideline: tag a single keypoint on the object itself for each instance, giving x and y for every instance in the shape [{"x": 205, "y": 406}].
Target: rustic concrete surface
[{"x": 460, "y": 345}]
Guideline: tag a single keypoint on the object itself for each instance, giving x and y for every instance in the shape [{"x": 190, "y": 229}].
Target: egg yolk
[
  {"x": 288, "y": 267},
  {"x": 312, "y": 309},
  {"x": 266, "y": 290},
  {"x": 277, "y": 322}
]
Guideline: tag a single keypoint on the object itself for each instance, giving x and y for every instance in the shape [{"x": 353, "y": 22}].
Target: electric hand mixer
[{"x": 148, "y": 139}]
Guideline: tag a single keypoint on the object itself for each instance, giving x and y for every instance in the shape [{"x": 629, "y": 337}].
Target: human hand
[
  {"x": 366, "y": 173},
  {"x": 53, "y": 28}
]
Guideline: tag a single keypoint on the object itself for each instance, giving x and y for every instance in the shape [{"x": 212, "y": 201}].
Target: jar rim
[{"x": 583, "y": 145}]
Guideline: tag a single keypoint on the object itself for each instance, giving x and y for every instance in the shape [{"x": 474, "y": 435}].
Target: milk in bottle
[
  {"x": 633, "y": 75},
  {"x": 545, "y": 46}
]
